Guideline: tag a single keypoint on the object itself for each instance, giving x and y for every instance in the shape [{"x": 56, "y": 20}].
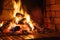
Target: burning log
[
  {"x": 19, "y": 15},
  {"x": 5, "y": 25},
  {"x": 14, "y": 29},
  {"x": 24, "y": 32},
  {"x": 37, "y": 28},
  {"x": 22, "y": 21}
]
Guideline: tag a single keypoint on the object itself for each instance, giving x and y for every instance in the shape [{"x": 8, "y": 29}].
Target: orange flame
[
  {"x": 17, "y": 6},
  {"x": 1, "y": 24},
  {"x": 18, "y": 9},
  {"x": 27, "y": 16}
]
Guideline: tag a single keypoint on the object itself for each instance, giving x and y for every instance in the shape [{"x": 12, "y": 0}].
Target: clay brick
[
  {"x": 48, "y": 7},
  {"x": 57, "y": 1},
  {"x": 53, "y": 14},
  {"x": 6, "y": 15},
  {"x": 52, "y": 1},
  {"x": 47, "y": 2},
  {"x": 8, "y": 4},
  {"x": 51, "y": 26},
  {"x": 55, "y": 7},
  {"x": 57, "y": 13},
  {"x": 57, "y": 20},
  {"x": 50, "y": 14},
  {"x": 47, "y": 20},
  {"x": 58, "y": 27}
]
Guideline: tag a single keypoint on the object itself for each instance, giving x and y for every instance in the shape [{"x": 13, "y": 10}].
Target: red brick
[
  {"x": 47, "y": 1},
  {"x": 57, "y": 1},
  {"x": 48, "y": 7},
  {"x": 57, "y": 13},
  {"x": 51, "y": 26},
  {"x": 52, "y": 1},
  {"x": 50, "y": 14},
  {"x": 6, "y": 15},
  {"x": 47, "y": 20},
  {"x": 57, "y": 20},
  {"x": 58, "y": 27},
  {"x": 53, "y": 14},
  {"x": 55, "y": 7},
  {"x": 8, "y": 4}
]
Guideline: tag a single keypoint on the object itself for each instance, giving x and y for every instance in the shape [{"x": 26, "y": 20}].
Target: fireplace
[
  {"x": 23, "y": 19},
  {"x": 18, "y": 16}
]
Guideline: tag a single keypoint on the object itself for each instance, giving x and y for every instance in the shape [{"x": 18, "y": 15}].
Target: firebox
[{"x": 28, "y": 19}]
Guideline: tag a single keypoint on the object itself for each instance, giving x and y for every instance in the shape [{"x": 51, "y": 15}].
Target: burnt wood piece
[
  {"x": 17, "y": 28},
  {"x": 6, "y": 24}
]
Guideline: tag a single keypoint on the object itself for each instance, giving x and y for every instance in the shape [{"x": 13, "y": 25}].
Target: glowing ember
[{"x": 29, "y": 37}]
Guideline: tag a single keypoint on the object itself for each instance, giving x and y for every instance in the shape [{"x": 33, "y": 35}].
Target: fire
[
  {"x": 29, "y": 21},
  {"x": 17, "y": 6},
  {"x": 17, "y": 19},
  {"x": 12, "y": 25},
  {"x": 18, "y": 9},
  {"x": 19, "y": 15},
  {"x": 1, "y": 24}
]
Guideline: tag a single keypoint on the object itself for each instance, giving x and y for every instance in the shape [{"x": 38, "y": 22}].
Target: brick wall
[
  {"x": 7, "y": 10},
  {"x": 52, "y": 15}
]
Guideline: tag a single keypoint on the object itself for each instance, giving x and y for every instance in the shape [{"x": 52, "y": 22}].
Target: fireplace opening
[{"x": 27, "y": 19}]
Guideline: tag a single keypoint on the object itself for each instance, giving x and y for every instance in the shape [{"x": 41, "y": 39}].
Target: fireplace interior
[{"x": 29, "y": 19}]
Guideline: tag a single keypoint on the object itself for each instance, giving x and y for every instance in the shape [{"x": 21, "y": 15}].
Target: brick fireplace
[{"x": 51, "y": 17}]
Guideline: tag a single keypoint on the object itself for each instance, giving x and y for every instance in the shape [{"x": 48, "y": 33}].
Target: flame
[
  {"x": 27, "y": 16},
  {"x": 17, "y": 6},
  {"x": 18, "y": 9},
  {"x": 1, "y": 24},
  {"x": 17, "y": 19},
  {"x": 12, "y": 25}
]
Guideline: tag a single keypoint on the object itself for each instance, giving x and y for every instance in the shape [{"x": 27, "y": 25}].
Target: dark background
[
  {"x": 1, "y": 6},
  {"x": 30, "y": 4}
]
